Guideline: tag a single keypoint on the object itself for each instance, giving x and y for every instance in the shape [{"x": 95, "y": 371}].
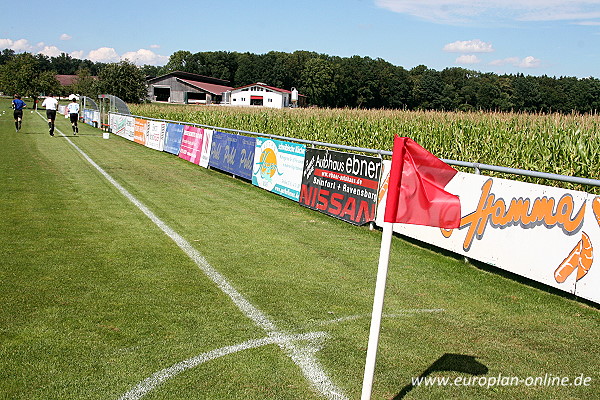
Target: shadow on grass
[{"x": 448, "y": 362}]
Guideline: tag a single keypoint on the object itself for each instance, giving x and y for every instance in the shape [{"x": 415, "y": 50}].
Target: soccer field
[{"x": 130, "y": 273}]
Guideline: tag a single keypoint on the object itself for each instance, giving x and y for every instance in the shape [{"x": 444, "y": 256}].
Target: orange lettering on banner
[{"x": 543, "y": 211}]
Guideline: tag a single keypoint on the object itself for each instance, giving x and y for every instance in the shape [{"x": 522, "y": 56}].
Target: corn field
[{"x": 554, "y": 143}]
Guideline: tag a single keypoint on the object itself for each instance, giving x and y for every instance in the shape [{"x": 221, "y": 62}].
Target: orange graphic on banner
[
  {"x": 596, "y": 208},
  {"x": 580, "y": 258}
]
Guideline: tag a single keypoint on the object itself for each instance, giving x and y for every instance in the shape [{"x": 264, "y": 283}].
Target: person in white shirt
[
  {"x": 51, "y": 105},
  {"x": 73, "y": 109}
]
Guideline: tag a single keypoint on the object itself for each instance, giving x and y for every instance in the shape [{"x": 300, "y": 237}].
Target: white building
[{"x": 260, "y": 94}]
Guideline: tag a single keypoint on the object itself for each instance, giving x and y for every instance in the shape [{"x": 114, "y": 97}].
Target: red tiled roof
[
  {"x": 208, "y": 87},
  {"x": 68, "y": 80},
  {"x": 267, "y": 87}
]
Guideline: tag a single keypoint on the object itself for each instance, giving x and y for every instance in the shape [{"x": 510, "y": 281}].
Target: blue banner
[
  {"x": 233, "y": 154},
  {"x": 173, "y": 138},
  {"x": 244, "y": 156}
]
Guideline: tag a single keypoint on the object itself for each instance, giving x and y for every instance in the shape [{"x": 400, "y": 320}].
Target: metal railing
[{"x": 477, "y": 167}]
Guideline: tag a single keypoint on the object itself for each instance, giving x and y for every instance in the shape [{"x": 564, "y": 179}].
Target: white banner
[
  {"x": 122, "y": 125},
  {"x": 544, "y": 233},
  {"x": 206, "y": 146},
  {"x": 156, "y": 135}
]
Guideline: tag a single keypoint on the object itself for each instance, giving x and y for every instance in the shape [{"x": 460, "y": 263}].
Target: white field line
[
  {"x": 159, "y": 377},
  {"x": 302, "y": 356}
]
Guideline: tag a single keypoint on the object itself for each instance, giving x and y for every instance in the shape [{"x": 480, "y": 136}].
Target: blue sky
[{"x": 534, "y": 37}]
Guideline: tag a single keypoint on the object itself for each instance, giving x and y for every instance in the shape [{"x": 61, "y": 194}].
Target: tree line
[
  {"x": 332, "y": 81},
  {"x": 363, "y": 82},
  {"x": 35, "y": 75}
]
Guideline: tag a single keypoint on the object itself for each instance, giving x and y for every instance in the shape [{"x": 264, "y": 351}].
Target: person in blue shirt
[{"x": 18, "y": 105}]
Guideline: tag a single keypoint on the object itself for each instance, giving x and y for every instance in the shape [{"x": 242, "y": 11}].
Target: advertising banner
[
  {"x": 278, "y": 167},
  {"x": 232, "y": 153},
  {"x": 191, "y": 144},
  {"x": 543, "y": 233},
  {"x": 117, "y": 124},
  {"x": 88, "y": 116},
  {"x": 156, "y": 135},
  {"x": 206, "y": 148},
  {"x": 173, "y": 136},
  {"x": 129, "y": 133},
  {"x": 140, "y": 131},
  {"x": 342, "y": 185}
]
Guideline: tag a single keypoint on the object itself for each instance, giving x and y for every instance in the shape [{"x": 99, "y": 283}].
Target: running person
[
  {"x": 73, "y": 109},
  {"x": 18, "y": 105},
  {"x": 51, "y": 105}
]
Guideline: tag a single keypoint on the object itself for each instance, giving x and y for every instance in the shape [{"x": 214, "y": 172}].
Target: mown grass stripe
[{"x": 302, "y": 356}]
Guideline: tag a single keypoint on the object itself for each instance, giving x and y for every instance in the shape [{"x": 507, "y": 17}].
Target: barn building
[
  {"x": 187, "y": 88},
  {"x": 260, "y": 94}
]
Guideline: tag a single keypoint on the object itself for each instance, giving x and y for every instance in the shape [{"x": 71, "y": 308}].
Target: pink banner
[{"x": 191, "y": 144}]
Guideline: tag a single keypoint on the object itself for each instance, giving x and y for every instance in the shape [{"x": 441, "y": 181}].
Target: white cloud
[
  {"x": 78, "y": 54},
  {"x": 468, "y": 59},
  {"x": 530, "y": 62},
  {"x": 64, "y": 36},
  {"x": 50, "y": 51},
  {"x": 527, "y": 62},
  {"x": 469, "y": 46},
  {"x": 16, "y": 45},
  {"x": 103, "y": 54},
  {"x": 143, "y": 56},
  {"x": 155, "y": 46},
  {"x": 465, "y": 11},
  {"x": 587, "y": 23}
]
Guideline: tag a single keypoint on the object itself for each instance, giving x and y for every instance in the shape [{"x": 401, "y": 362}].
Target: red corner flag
[{"x": 416, "y": 192}]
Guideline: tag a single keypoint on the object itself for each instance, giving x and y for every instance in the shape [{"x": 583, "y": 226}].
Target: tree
[
  {"x": 124, "y": 80},
  {"x": 6, "y": 55},
  {"x": 178, "y": 61},
  {"x": 428, "y": 91},
  {"x": 22, "y": 74},
  {"x": 317, "y": 82},
  {"x": 85, "y": 85}
]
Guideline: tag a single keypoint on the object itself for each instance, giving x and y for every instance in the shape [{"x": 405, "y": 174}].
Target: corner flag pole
[{"x": 384, "y": 257}]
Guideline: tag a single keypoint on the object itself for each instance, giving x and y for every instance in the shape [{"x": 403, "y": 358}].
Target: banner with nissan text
[{"x": 342, "y": 185}]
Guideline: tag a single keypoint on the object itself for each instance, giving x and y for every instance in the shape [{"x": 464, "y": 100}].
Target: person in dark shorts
[
  {"x": 18, "y": 105},
  {"x": 51, "y": 105},
  {"x": 73, "y": 109}
]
